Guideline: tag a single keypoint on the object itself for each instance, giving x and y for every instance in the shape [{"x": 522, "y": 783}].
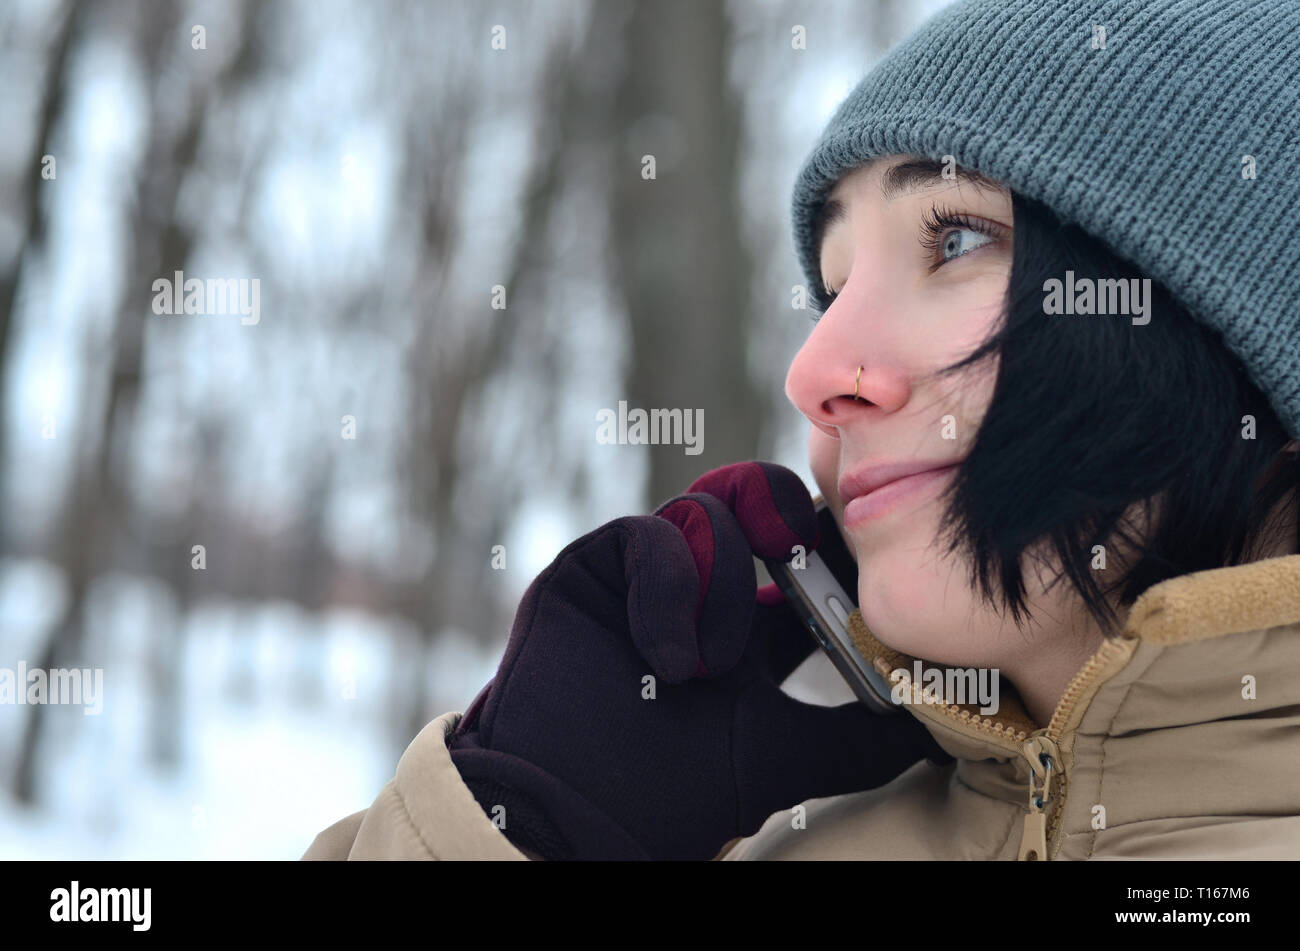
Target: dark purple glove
[{"x": 566, "y": 739}]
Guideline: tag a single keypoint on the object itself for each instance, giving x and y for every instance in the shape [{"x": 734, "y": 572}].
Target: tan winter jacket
[{"x": 1178, "y": 740}]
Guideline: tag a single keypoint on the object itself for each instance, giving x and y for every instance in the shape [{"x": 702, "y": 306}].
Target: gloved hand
[{"x": 637, "y": 711}]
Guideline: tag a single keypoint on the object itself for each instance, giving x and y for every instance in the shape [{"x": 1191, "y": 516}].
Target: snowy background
[{"x": 378, "y": 167}]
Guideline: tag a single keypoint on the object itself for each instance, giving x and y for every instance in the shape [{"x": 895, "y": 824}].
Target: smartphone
[{"x": 823, "y": 593}]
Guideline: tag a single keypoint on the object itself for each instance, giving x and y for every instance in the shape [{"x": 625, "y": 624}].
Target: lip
[{"x": 873, "y": 490}]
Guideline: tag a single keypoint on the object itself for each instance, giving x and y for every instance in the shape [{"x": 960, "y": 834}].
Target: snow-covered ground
[{"x": 285, "y": 722}]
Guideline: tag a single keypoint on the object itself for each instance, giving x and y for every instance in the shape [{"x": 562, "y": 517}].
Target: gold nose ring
[{"x": 856, "y": 382}]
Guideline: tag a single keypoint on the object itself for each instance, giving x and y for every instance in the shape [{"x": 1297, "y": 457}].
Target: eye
[
  {"x": 947, "y": 236},
  {"x": 957, "y": 242}
]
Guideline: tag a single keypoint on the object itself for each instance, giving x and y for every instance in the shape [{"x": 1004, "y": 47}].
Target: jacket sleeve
[
  {"x": 424, "y": 812},
  {"x": 427, "y": 812}
]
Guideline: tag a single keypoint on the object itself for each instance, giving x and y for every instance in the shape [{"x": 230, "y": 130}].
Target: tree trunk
[{"x": 680, "y": 261}]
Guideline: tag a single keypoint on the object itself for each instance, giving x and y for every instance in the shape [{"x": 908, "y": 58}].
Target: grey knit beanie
[{"x": 1133, "y": 119}]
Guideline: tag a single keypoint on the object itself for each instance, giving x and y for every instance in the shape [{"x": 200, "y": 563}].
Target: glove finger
[
  {"x": 725, "y": 567},
  {"x": 664, "y": 590},
  {"x": 633, "y": 574},
  {"x": 771, "y": 504}
]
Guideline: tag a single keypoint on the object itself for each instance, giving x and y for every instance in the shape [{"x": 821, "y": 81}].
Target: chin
[
  {"x": 888, "y": 609},
  {"x": 919, "y": 637},
  {"x": 910, "y": 609}
]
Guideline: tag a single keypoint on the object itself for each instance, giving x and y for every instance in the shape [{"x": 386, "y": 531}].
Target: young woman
[{"x": 1054, "y": 389}]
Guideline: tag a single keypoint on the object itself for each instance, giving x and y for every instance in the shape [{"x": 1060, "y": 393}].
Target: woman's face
[{"x": 919, "y": 264}]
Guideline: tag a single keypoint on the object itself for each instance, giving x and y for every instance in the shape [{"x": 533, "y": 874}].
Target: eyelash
[
  {"x": 938, "y": 221},
  {"x": 935, "y": 224}
]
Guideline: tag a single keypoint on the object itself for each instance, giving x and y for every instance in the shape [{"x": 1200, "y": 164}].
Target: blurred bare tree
[
  {"x": 679, "y": 251},
  {"x": 447, "y": 210},
  {"x": 98, "y": 530}
]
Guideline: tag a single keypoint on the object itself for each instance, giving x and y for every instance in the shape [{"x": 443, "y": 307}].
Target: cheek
[
  {"x": 965, "y": 395},
  {"x": 971, "y": 326},
  {"x": 824, "y": 460}
]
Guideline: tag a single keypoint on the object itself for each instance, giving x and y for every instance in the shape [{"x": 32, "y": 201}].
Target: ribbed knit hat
[{"x": 1140, "y": 139}]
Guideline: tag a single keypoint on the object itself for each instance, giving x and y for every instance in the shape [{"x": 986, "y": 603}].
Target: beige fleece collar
[{"x": 1194, "y": 607}]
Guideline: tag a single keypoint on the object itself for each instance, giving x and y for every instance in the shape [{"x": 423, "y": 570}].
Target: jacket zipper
[
  {"x": 1045, "y": 762},
  {"x": 1040, "y": 750},
  {"x": 1044, "y": 758}
]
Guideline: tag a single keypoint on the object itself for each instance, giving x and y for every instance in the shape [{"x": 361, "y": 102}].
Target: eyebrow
[
  {"x": 904, "y": 178},
  {"x": 913, "y": 176}
]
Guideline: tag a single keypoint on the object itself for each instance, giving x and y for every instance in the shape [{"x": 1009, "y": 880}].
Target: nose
[{"x": 824, "y": 374}]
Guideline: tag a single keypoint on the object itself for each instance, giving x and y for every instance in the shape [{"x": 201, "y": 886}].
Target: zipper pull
[{"x": 1033, "y": 837}]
